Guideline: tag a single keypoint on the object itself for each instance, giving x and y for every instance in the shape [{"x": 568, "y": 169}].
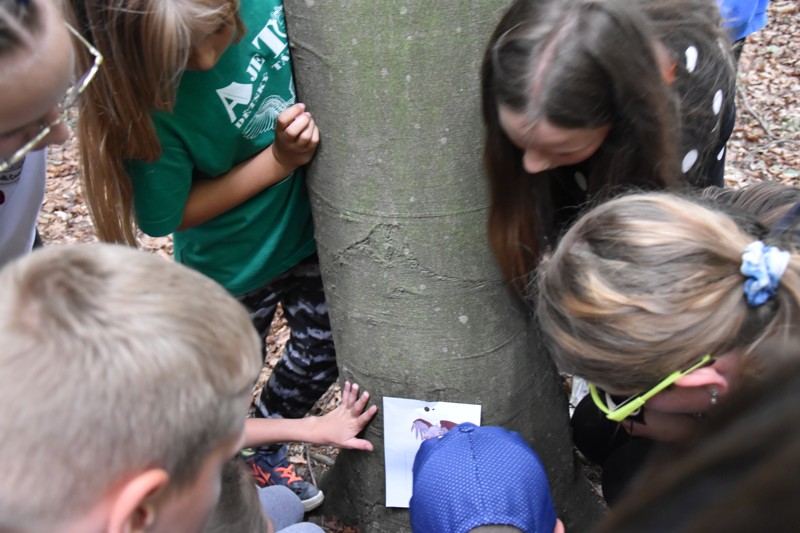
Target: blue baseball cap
[{"x": 479, "y": 476}]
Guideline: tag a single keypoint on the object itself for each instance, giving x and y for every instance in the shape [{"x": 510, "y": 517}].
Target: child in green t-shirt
[{"x": 193, "y": 129}]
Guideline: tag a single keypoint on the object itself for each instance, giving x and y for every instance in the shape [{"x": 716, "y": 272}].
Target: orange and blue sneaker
[{"x": 274, "y": 469}]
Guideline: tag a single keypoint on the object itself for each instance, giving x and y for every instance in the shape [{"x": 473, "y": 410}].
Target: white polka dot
[
  {"x": 691, "y": 59},
  {"x": 580, "y": 179},
  {"x": 717, "y": 104},
  {"x": 689, "y": 160},
  {"x": 721, "y": 154}
]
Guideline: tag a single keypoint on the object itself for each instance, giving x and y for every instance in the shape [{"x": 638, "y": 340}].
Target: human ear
[
  {"x": 559, "y": 526},
  {"x": 666, "y": 63},
  {"x": 133, "y": 509},
  {"x": 707, "y": 377}
]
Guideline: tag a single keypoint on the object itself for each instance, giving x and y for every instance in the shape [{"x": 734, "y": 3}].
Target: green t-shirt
[{"x": 222, "y": 117}]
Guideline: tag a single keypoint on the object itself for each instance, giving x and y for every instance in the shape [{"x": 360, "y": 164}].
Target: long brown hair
[
  {"x": 586, "y": 64},
  {"x": 146, "y": 45},
  {"x": 646, "y": 284}
]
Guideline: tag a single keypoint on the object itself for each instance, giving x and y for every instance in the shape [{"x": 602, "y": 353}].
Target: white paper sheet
[{"x": 406, "y": 423}]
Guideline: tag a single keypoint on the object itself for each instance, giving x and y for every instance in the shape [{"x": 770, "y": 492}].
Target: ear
[
  {"x": 666, "y": 63},
  {"x": 133, "y": 508},
  {"x": 707, "y": 377},
  {"x": 559, "y": 526}
]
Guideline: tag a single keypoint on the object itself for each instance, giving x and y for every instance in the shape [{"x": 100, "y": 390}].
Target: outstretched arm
[{"x": 337, "y": 428}]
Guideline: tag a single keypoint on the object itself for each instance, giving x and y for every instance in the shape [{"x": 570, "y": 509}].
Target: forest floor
[{"x": 765, "y": 146}]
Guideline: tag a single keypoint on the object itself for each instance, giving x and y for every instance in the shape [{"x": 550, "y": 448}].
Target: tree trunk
[{"x": 417, "y": 303}]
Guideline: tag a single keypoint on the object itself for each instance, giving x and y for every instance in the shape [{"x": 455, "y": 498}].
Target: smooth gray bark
[{"x": 417, "y": 303}]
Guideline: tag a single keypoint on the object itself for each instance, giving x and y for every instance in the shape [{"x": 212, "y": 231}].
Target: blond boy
[{"x": 124, "y": 381}]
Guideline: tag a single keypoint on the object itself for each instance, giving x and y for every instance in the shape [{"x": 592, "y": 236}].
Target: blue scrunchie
[{"x": 764, "y": 266}]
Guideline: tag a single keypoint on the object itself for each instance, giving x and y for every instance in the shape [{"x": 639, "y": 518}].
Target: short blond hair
[
  {"x": 647, "y": 284},
  {"x": 113, "y": 361}
]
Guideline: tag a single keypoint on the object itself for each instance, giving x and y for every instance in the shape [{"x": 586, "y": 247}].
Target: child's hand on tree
[
  {"x": 296, "y": 137},
  {"x": 340, "y": 427}
]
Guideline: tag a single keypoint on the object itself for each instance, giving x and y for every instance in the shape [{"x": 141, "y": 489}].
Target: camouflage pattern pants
[{"x": 307, "y": 366}]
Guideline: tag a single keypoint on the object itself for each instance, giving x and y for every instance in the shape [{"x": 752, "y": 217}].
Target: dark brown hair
[
  {"x": 587, "y": 64},
  {"x": 767, "y": 200}
]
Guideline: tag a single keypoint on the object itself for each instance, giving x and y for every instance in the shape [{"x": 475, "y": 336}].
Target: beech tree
[{"x": 418, "y": 306}]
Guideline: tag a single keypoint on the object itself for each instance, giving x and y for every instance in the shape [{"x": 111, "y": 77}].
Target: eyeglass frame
[
  {"x": 69, "y": 100},
  {"x": 636, "y": 402}
]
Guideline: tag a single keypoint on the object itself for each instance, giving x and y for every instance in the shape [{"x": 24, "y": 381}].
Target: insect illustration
[{"x": 425, "y": 430}]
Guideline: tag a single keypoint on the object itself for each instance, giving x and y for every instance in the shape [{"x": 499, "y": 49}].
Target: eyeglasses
[
  {"x": 620, "y": 411},
  {"x": 70, "y": 99}
]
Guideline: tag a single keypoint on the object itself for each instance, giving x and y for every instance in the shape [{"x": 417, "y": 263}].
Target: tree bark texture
[{"x": 418, "y": 306}]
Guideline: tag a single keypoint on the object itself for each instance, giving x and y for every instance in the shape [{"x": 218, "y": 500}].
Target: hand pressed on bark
[{"x": 338, "y": 428}]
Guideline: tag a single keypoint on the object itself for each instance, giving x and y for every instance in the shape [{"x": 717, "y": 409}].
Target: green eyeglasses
[
  {"x": 70, "y": 99},
  {"x": 619, "y": 412}
]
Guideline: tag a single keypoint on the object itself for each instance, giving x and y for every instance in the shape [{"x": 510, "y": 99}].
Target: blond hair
[
  {"x": 146, "y": 45},
  {"x": 113, "y": 361},
  {"x": 647, "y": 284}
]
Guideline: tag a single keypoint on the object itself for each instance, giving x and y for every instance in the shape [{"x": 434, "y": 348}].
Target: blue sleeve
[{"x": 743, "y": 17}]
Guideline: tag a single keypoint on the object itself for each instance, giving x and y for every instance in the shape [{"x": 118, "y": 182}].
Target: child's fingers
[
  {"x": 289, "y": 114},
  {"x": 298, "y": 125},
  {"x": 361, "y": 403},
  {"x": 364, "y": 445},
  {"x": 367, "y": 415},
  {"x": 352, "y": 397},
  {"x": 347, "y": 394},
  {"x": 359, "y": 444},
  {"x": 306, "y": 137}
]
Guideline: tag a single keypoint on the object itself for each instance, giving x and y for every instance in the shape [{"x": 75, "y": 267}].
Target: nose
[{"x": 534, "y": 161}]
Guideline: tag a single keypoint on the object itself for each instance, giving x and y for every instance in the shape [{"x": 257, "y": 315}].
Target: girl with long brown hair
[{"x": 584, "y": 98}]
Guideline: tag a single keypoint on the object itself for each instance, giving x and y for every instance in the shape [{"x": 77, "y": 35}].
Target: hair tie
[{"x": 764, "y": 266}]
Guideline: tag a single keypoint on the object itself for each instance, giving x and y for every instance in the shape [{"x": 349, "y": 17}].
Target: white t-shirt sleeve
[{"x": 21, "y": 194}]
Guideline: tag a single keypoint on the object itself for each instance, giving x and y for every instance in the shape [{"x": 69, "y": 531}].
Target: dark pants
[{"x": 308, "y": 364}]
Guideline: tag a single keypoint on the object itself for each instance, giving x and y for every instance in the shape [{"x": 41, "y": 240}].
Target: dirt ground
[{"x": 765, "y": 146}]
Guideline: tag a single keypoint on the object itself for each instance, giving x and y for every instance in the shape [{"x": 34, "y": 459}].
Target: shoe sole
[{"x": 313, "y": 502}]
